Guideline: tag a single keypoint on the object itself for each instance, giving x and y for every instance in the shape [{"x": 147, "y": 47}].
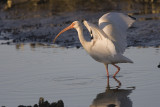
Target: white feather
[
  {"x": 115, "y": 25},
  {"x": 109, "y": 40},
  {"x": 100, "y": 44}
]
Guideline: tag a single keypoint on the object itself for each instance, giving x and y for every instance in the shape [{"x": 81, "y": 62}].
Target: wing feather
[
  {"x": 114, "y": 26},
  {"x": 100, "y": 41}
]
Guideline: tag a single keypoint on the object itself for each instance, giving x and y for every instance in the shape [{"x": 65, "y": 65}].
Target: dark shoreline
[{"x": 43, "y": 103}]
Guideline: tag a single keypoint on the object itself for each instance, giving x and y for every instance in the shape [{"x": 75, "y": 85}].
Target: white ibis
[{"x": 108, "y": 41}]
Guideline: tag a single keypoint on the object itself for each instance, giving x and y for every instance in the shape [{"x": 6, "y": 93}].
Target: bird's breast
[{"x": 100, "y": 52}]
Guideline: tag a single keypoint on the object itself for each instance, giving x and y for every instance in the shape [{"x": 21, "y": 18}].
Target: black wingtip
[
  {"x": 132, "y": 17},
  {"x": 91, "y": 37},
  {"x": 82, "y": 20}
]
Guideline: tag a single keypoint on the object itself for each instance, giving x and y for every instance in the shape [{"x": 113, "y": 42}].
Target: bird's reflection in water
[{"x": 113, "y": 97}]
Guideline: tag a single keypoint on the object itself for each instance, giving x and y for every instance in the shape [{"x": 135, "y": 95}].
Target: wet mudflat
[
  {"x": 29, "y": 72},
  {"x": 41, "y": 20}
]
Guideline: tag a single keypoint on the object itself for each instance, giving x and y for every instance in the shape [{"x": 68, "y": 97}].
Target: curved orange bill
[{"x": 67, "y": 28}]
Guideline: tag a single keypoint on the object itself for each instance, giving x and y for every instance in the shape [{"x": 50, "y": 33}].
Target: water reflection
[
  {"x": 113, "y": 97},
  {"x": 34, "y": 45}
]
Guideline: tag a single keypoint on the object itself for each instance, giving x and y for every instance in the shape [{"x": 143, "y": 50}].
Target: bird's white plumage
[
  {"x": 109, "y": 39},
  {"x": 99, "y": 43},
  {"x": 115, "y": 25}
]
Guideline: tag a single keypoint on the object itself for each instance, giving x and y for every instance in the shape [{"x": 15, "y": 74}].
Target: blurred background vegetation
[{"x": 45, "y": 8}]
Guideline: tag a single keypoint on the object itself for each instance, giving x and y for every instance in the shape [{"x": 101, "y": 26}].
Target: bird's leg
[
  {"x": 118, "y": 69},
  {"x": 106, "y": 65}
]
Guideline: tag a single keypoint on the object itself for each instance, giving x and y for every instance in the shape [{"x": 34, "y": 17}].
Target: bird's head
[{"x": 75, "y": 25}]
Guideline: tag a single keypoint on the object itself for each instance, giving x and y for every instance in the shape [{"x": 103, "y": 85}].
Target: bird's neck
[{"x": 81, "y": 37}]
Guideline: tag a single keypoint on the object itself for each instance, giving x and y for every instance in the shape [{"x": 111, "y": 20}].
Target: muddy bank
[
  {"x": 36, "y": 25},
  {"x": 43, "y": 30}
]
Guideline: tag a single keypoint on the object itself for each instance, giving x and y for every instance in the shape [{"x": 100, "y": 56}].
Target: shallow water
[{"x": 27, "y": 73}]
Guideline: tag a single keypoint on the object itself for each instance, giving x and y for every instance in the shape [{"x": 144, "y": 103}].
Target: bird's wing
[
  {"x": 94, "y": 31},
  {"x": 99, "y": 38},
  {"x": 115, "y": 25}
]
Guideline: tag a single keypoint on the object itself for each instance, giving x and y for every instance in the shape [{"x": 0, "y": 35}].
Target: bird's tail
[{"x": 126, "y": 60}]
